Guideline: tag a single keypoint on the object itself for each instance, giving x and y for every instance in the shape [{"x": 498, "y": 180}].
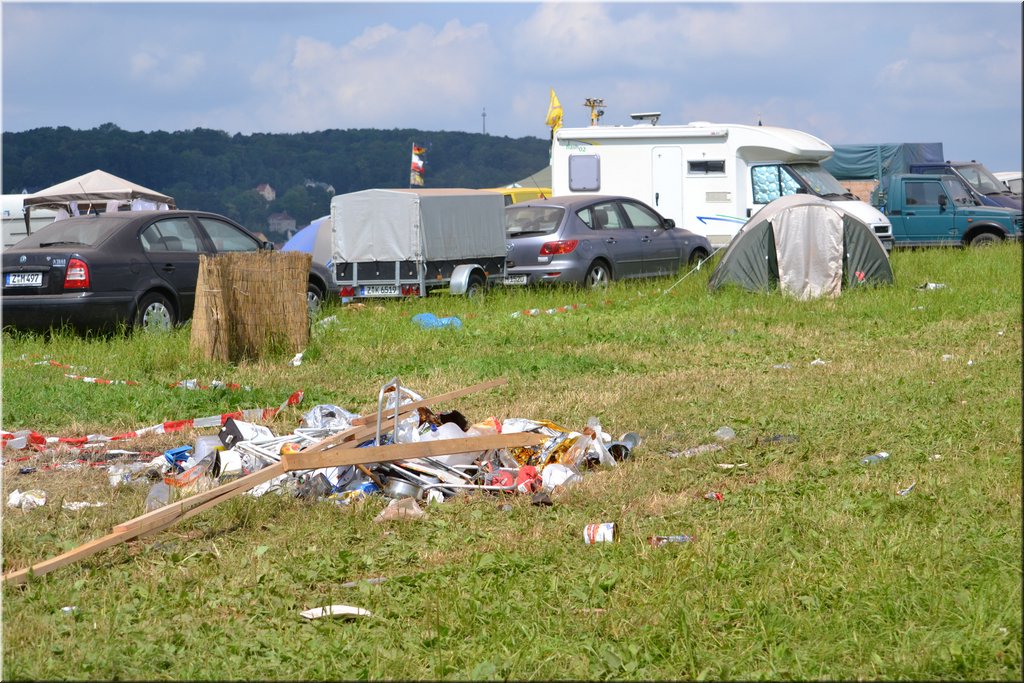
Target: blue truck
[{"x": 936, "y": 210}]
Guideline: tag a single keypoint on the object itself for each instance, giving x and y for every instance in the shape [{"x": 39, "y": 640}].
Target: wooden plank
[
  {"x": 179, "y": 507},
  {"x": 305, "y": 460}
]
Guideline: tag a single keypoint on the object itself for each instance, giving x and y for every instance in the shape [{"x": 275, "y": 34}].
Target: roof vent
[{"x": 651, "y": 116}]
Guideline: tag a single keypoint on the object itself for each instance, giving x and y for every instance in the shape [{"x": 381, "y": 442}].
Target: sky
[{"x": 866, "y": 72}]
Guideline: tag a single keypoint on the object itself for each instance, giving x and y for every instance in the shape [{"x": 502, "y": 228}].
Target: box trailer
[
  {"x": 707, "y": 177},
  {"x": 407, "y": 242}
]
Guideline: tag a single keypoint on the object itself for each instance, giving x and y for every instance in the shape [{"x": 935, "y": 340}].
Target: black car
[{"x": 136, "y": 268}]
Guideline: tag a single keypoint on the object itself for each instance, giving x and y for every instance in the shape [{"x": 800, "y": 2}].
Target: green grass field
[{"x": 811, "y": 567}]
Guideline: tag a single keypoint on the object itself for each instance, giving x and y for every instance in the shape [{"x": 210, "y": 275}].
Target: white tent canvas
[{"x": 96, "y": 188}]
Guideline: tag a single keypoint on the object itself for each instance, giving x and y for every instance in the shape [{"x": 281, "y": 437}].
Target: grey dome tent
[{"x": 806, "y": 247}]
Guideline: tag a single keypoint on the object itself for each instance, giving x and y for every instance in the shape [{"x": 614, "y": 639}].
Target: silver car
[{"x": 593, "y": 239}]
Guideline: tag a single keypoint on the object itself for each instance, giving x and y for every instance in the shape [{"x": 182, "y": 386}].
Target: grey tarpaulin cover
[
  {"x": 807, "y": 247},
  {"x": 417, "y": 225}
]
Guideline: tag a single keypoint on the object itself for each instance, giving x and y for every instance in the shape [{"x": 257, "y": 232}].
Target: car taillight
[
  {"x": 77, "y": 275},
  {"x": 559, "y": 247}
]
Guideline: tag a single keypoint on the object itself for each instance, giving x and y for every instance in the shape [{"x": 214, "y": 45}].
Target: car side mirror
[
  {"x": 943, "y": 202},
  {"x": 669, "y": 223},
  {"x": 266, "y": 245}
]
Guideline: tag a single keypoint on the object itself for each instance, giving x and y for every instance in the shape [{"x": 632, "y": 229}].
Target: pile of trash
[{"x": 242, "y": 448}]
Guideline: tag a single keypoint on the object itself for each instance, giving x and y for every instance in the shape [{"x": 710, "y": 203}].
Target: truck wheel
[
  {"x": 985, "y": 239},
  {"x": 154, "y": 313},
  {"x": 598, "y": 275},
  {"x": 475, "y": 286}
]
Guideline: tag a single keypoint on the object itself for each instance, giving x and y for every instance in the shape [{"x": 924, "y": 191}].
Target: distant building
[
  {"x": 281, "y": 223},
  {"x": 267, "y": 192},
  {"x": 329, "y": 189}
]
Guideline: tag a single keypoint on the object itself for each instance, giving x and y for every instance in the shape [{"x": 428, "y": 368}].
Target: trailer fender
[{"x": 459, "y": 282}]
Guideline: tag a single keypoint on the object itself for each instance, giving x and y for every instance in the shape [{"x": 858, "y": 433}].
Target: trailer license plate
[
  {"x": 379, "y": 290},
  {"x": 515, "y": 279},
  {"x": 24, "y": 280}
]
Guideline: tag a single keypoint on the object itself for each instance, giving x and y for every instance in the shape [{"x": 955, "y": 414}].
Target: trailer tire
[
  {"x": 475, "y": 286},
  {"x": 985, "y": 239}
]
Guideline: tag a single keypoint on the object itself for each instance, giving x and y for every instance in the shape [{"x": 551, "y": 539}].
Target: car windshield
[
  {"x": 86, "y": 230},
  {"x": 957, "y": 192},
  {"x": 532, "y": 220},
  {"x": 980, "y": 177},
  {"x": 818, "y": 179}
]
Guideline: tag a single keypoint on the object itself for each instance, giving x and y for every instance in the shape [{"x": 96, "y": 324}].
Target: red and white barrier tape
[
  {"x": 37, "y": 441},
  {"x": 183, "y": 384}
]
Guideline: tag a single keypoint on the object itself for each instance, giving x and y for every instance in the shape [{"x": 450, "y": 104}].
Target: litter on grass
[
  {"x": 335, "y": 611},
  {"x": 26, "y": 500}
]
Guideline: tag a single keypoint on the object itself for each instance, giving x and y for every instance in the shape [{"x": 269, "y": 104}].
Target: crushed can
[{"x": 606, "y": 532}]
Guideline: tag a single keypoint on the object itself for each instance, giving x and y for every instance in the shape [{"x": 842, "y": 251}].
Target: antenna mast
[{"x": 596, "y": 105}]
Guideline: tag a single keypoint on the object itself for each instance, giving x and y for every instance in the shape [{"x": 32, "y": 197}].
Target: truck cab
[
  {"x": 984, "y": 186},
  {"x": 937, "y": 210}
]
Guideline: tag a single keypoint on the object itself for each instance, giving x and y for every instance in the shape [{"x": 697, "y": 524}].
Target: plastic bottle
[
  {"x": 159, "y": 495},
  {"x": 725, "y": 434},
  {"x": 873, "y": 459}
]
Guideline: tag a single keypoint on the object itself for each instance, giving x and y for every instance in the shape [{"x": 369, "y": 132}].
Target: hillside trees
[{"x": 214, "y": 171}]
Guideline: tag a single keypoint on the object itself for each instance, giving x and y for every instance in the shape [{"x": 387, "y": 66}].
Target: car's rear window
[
  {"x": 86, "y": 231},
  {"x": 532, "y": 220}
]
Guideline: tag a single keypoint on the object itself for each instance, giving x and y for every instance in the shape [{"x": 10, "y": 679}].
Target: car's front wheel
[
  {"x": 598, "y": 275},
  {"x": 314, "y": 298},
  {"x": 155, "y": 313},
  {"x": 985, "y": 239}
]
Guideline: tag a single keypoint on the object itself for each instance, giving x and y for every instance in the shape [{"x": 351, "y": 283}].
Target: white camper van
[
  {"x": 14, "y": 218},
  {"x": 707, "y": 177}
]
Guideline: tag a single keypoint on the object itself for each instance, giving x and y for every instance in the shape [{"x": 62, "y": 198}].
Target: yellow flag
[{"x": 554, "y": 113}]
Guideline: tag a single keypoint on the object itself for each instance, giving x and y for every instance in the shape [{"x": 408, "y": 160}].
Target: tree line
[{"x": 212, "y": 170}]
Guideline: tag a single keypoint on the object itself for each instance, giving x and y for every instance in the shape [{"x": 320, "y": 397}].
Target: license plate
[
  {"x": 379, "y": 290},
  {"x": 515, "y": 279},
  {"x": 24, "y": 280}
]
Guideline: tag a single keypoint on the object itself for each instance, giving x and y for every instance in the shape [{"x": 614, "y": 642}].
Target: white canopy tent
[{"x": 94, "y": 191}]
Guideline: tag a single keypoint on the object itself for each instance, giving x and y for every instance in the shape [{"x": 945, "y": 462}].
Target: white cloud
[
  {"x": 381, "y": 76},
  {"x": 166, "y": 71},
  {"x": 585, "y": 37}
]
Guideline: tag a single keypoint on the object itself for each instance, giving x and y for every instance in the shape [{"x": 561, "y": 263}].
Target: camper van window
[
  {"x": 706, "y": 167},
  {"x": 771, "y": 182},
  {"x": 584, "y": 173}
]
